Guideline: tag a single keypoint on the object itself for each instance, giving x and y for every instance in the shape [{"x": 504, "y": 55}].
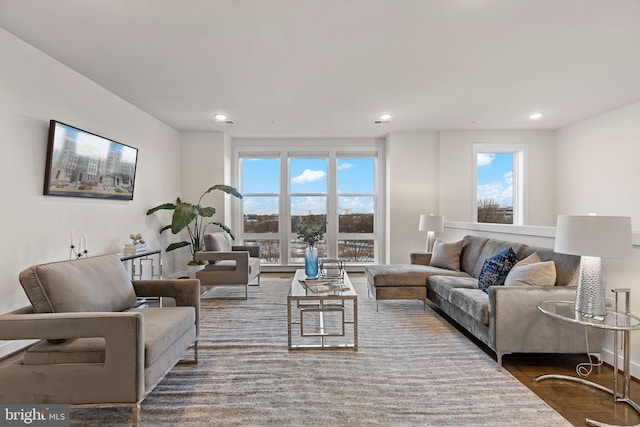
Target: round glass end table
[{"x": 621, "y": 323}]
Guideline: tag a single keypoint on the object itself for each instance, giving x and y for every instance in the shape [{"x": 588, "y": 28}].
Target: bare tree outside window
[{"x": 490, "y": 211}]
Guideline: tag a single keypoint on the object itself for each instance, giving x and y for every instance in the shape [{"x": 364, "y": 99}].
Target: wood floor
[{"x": 575, "y": 402}]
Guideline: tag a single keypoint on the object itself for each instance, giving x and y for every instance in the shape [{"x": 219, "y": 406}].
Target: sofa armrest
[
  {"x": 186, "y": 292},
  {"x": 519, "y": 326},
  {"x": 254, "y": 250},
  {"x": 123, "y": 368},
  {"x": 421, "y": 258}
]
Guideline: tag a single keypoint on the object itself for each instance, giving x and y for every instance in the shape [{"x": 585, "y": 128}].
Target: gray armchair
[
  {"x": 93, "y": 349},
  {"x": 228, "y": 265}
]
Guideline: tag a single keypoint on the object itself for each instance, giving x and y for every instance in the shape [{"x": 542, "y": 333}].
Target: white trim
[{"x": 522, "y": 230}]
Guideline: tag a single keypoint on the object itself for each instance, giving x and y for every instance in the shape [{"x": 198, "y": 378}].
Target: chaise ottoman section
[{"x": 403, "y": 281}]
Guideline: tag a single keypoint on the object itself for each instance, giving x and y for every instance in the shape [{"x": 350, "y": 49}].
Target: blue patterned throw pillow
[{"x": 495, "y": 269}]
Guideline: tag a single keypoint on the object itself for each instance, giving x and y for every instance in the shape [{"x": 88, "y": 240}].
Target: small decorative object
[
  {"x": 332, "y": 269},
  {"x": 137, "y": 246},
  {"x": 80, "y": 250},
  {"x": 311, "y": 235},
  {"x": 311, "y": 262}
]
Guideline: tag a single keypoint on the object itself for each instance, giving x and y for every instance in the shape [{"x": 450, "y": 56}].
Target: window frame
[
  {"x": 520, "y": 155},
  {"x": 332, "y": 154}
]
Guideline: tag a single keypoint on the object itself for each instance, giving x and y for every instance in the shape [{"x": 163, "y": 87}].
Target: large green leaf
[
  {"x": 177, "y": 245},
  {"x": 182, "y": 216},
  {"x": 206, "y": 212},
  {"x": 169, "y": 206},
  {"x": 226, "y": 188}
]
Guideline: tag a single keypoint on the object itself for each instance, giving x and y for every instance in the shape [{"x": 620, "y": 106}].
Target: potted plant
[
  {"x": 311, "y": 235},
  {"x": 193, "y": 218}
]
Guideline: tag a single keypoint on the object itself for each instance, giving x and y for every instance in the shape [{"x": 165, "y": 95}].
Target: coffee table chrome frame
[{"x": 321, "y": 304}]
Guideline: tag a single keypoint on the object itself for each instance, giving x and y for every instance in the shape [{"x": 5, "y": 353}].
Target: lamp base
[
  {"x": 590, "y": 299},
  {"x": 430, "y": 241}
]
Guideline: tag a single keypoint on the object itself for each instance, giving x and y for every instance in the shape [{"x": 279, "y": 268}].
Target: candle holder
[{"x": 77, "y": 254}]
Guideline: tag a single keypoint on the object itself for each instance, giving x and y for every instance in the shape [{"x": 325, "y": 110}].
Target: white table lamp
[
  {"x": 431, "y": 224},
  {"x": 593, "y": 237}
]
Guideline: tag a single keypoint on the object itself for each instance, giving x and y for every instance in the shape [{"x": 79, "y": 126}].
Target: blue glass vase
[{"x": 311, "y": 262}]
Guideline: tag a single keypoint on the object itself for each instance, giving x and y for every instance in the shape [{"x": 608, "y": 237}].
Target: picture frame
[{"x": 82, "y": 164}]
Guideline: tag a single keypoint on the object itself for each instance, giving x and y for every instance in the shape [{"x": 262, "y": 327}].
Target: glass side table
[{"x": 621, "y": 322}]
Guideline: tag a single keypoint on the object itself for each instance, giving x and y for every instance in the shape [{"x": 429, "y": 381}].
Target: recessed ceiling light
[
  {"x": 220, "y": 117},
  {"x": 535, "y": 116},
  {"x": 385, "y": 116}
]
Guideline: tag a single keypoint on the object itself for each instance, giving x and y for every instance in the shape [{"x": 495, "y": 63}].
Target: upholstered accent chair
[
  {"x": 94, "y": 348},
  {"x": 228, "y": 265}
]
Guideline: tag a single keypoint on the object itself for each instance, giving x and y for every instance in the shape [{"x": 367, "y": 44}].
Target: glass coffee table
[{"x": 324, "y": 318}]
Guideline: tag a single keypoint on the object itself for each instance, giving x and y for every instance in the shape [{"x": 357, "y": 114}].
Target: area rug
[{"x": 413, "y": 368}]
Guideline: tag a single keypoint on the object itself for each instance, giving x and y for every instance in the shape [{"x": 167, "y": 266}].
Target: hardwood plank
[{"x": 575, "y": 402}]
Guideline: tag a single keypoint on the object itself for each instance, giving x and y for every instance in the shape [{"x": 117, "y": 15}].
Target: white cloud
[
  {"x": 499, "y": 192},
  {"x": 508, "y": 178},
  {"x": 485, "y": 159},
  {"x": 308, "y": 176},
  {"x": 308, "y": 204},
  {"x": 356, "y": 204},
  {"x": 345, "y": 166}
]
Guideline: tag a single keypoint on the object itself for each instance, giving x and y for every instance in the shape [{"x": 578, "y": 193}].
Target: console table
[
  {"x": 136, "y": 263},
  {"x": 621, "y": 322}
]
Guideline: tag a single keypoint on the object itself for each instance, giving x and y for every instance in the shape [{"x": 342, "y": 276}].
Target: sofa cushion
[
  {"x": 446, "y": 255},
  {"x": 471, "y": 250},
  {"x": 219, "y": 242},
  {"x": 495, "y": 269},
  {"x": 493, "y": 247},
  {"x": 98, "y": 283},
  {"x": 441, "y": 285},
  {"x": 474, "y": 302},
  {"x": 534, "y": 274},
  {"x": 404, "y": 274},
  {"x": 162, "y": 327},
  {"x": 567, "y": 266}
]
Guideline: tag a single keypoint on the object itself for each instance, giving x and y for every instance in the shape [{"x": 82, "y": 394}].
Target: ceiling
[{"x": 329, "y": 68}]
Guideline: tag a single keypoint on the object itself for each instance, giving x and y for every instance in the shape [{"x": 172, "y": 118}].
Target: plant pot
[
  {"x": 311, "y": 262},
  {"x": 193, "y": 269}
]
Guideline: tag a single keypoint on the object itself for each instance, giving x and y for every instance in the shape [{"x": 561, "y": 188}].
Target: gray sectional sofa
[{"x": 505, "y": 318}]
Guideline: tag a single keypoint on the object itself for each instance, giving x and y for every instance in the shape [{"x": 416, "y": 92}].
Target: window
[
  {"x": 338, "y": 188},
  {"x": 499, "y": 184},
  {"x": 260, "y": 205}
]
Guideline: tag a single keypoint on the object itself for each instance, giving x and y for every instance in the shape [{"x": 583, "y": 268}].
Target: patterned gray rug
[{"x": 412, "y": 369}]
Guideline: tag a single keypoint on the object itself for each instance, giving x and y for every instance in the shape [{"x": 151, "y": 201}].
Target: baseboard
[{"x": 607, "y": 355}]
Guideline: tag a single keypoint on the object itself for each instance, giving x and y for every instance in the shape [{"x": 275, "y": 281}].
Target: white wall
[
  {"x": 205, "y": 163},
  {"x": 36, "y": 228},
  {"x": 411, "y": 190},
  {"x": 457, "y": 166},
  {"x": 597, "y": 170}
]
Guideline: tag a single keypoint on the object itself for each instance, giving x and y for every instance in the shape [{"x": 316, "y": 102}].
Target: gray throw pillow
[
  {"x": 536, "y": 274},
  {"x": 446, "y": 255}
]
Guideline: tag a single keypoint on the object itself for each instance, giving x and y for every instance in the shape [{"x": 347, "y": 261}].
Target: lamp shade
[
  {"x": 595, "y": 236},
  {"x": 431, "y": 222}
]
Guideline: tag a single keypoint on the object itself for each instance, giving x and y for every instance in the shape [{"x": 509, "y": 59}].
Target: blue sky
[
  {"x": 495, "y": 177},
  {"x": 309, "y": 183}
]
